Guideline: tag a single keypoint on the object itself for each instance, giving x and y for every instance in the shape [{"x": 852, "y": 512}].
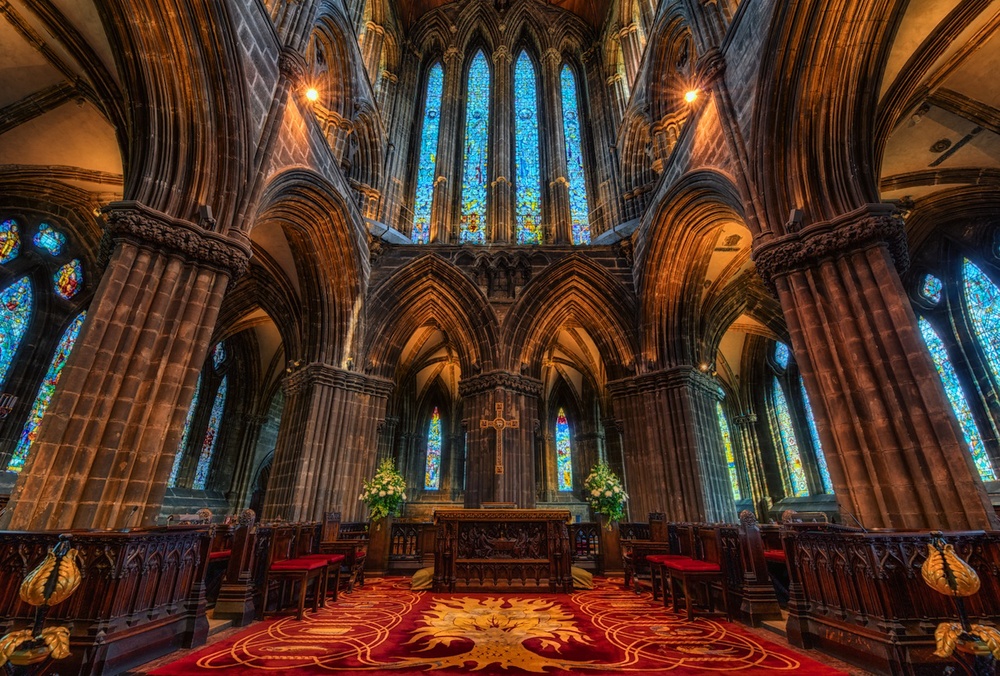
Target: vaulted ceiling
[{"x": 592, "y": 11}]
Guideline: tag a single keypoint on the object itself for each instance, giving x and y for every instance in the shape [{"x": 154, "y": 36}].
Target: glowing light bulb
[
  {"x": 312, "y": 94},
  {"x": 691, "y": 96}
]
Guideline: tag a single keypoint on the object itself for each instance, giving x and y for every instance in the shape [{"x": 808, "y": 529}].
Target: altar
[{"x": 502, "y": 549}]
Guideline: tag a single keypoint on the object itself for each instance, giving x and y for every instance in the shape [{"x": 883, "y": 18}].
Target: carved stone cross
[{"x": 499, "y": 424}]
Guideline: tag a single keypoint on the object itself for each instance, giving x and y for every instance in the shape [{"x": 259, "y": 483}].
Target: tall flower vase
[{"x": 611, "y": 546}]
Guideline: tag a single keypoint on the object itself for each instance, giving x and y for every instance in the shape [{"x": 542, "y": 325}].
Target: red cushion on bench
[
  {"x": 299, "y": 564},
  {"x": 776, "y": 555},
  {"x": 332, "y": 559},
  {"x": 663, "y": 558},
  {"x": 691, "y": 566},
  {"x": 222, "y": 554}
]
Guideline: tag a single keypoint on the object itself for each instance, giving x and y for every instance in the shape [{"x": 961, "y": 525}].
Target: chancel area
[{"x": 330, "y": 326}]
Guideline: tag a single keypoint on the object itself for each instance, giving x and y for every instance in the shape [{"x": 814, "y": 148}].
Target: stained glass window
[
  {"x": 427, "y": 162},
  {"x": 10, "y": 241},
  {"x": 824, "y": 471},
  {"x": 185, "y": 434},
  {"x": 218, "y": 355},
  {"x": 527, "y": 196},
  {"x": 781, "y": 355},
  {"x": 49, "y": 240},
  {"x": 931, "y": 288},
  {"x": 45, "y": 391},
  {"x": 578, "y": 210},
  {"x": 211, "y": 437},
  {"x": 68, "y": 279},
  {"x": 727, "y": 443},
  {"x": 983, "y": 300},
  {"x": 474, "y": 176},
  {"x": 432, "y": 471},
  {"x": 956, "y": 396},
  {"x": 794, "y": 474},
  {"x": 564, "y": 453},
  {"x": 16, "y": 304}
]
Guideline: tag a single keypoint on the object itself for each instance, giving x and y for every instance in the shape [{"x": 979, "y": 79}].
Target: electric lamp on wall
[
  {"x": 312, "y": 94},
  {"x": 691, "y": 95}
]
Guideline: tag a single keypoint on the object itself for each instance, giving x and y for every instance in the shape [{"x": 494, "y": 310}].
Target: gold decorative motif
[
  {"x": 67, "y": 580},
  {"x": 946, "y": 638},
  {"x": 990, "y": 636},
  {"x": 946, "y": 573},
  {"x": 10, "y": 642}
]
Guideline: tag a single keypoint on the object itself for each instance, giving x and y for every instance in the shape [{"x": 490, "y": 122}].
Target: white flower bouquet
[
  {"x": 385, "y": 493},
  {"x": 602, "y": 489}
]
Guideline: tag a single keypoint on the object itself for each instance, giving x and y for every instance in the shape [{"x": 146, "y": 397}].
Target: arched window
[
  {"x": 45, "y": 392},
  {"x": 727, "y": 443},
  {"x": 982, "y": 301},
  {"x": 475, "y": 174},
  {"x": 578, "y": 209},
  {"x": 527, "y": 199},
  {"x": 564, "y": 453},
  {"x": 824, "y": 471},
  {"x": 185, "y": 434},
  {"x": 427, "y": 161},
  {"x": 16, "y": 304},
  {"x": 211, "y": 437},
  {"x": 794, "y": 475},
  {"x": 432, "y": 468},
  {"x": 217, "y": 358}
]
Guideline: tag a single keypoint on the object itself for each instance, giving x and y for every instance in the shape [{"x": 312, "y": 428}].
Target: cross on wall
[{"x": 499, "y": 424}]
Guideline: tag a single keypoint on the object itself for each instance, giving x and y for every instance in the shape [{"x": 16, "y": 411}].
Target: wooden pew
[
  {"x": 284, "y": 565},
  {"x": 701, "y": 562}
]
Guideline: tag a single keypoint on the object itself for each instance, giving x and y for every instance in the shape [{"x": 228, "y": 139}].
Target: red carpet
[{"x": 384, "y": 628}]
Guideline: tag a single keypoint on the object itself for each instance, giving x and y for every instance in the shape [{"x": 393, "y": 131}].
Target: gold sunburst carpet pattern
[{"x": 384, "y": 628}]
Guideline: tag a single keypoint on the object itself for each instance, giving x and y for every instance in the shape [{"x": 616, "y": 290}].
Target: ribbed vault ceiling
[{"x": 592, "y": 11}]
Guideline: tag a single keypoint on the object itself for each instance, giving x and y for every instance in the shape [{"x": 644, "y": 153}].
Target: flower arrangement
[
  {"x": 385, "y": 492},
  {"x": 603, "y": 490}
]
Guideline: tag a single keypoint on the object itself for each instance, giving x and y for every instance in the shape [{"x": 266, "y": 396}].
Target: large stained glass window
[
  {"x": 45, "y": 391},
  {"x": 727, "y": 443},
  {"x": 211, "y": 437},
  {"x": 564, "y": 453},
  {"x": 16, "y": 304},
  {"x": 824, "y": 471},
  {"x": 475, "y": 178},
  {"x": 432, "y": 470},
  {"x": 527, "y": 196},
  {"x": 956, "y": 396},
  {"x": 10, "y": 241},
  {"x": 982, "y": 297},
  {"x": 578, "y": 209},
  {"x": 68, "y": 279},
  {"x": 794, "y": 474},
  {"x": 427, "y": 162},
  {"x": 185, "y": 434},
  {"x": 49, "y": 239}
]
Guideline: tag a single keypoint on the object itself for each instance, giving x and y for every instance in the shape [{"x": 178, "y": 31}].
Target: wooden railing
[
  {"x": 634, "y": 530},
  {"x": 353, "y": 531},
  {"x": 860, "y": 595}
]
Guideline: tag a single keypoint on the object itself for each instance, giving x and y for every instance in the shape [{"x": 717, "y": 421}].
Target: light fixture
[
  {"x": 691, "y": 95},
  {"x": 312, "y": 94}
]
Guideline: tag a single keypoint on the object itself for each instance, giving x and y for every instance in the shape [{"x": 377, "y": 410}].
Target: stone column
[
  {"x": 616, "y": 97},
  {"x": 327, "y": 443},
  {"x": 456, "y": 466},
  {"x": 749, "y": 451},
  {"x": 555, "y": 149},
  {"x": 631, "y": 42},
  {"x": 371, "y": 50},
  {"x": 386, "y": 433},
  {"x": 239, "y": 485},
  {"x": 446, "y": 185},
  {"x": 387, "y": 97},
  {"x": 519, "y": 396},
  {"x": 106, "y": 447},
  {"x": 614, "y": 452},
  {"x": 501, "y": 203},
  {"x": 675, "y": 460},
  {"x": 895, "y": 452}
]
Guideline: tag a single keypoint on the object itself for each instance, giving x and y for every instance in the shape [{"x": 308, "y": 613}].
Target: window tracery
[
  {"x": 727, "y": 443},
  {"x": 427, "y": 162},
  {"x": 564, "y": 453},
  {"x": 17, "y": 303},
  {"x": 528, "y": 198},
  {"x": 432, "y": 467},
  {"x": 475, "y": 174},
  {"x": 579, "y": 211}
]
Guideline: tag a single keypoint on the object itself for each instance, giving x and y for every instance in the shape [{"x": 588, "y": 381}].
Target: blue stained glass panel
[
  {"x": 218, "y": 355},
  {"x": 10, "y": 241},
  {"x": 527, "y": 195},
  {"x": 781, "y": 354},
  {"x": 824, "y": 471},
  {"x": 211, "y": 437},
  {"x": 49, "y": 239},
  {"x": 172, "y": 481},
  {"x": 579, "y": 212},
  {"x": 475, "y": 178},
  {"x": 68, "y": 279},
  {"x": 432, "y": 470},
  {"x": 794, "y": 474},
  {"x": 727, "y": 443},
  {"x": 427, "y": 162},
  {"x": 45, "y": 392},
  {"x": 982, "y": 297},
  {"x": 16, "y": 304},
  {"x": 931, "y": 288},
  {"x": 564, "y": 453},
  {"x": 956, "y": 396}
]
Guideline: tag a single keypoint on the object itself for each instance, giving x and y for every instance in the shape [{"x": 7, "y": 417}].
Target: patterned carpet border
[{"x": 384, "y": 628}]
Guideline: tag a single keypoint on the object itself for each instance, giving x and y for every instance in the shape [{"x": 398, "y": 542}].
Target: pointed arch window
[
  {"x": 794, "y": 475},
  {"x": 527, "y": 187},
  {"x": 17, "y": 302},
  {"x": 727, "y": 443},
  {"x": 982, "y": 300},
  {"x": 578, "y": 208},
  {"x": 475, "y": 176},
  {"x": 564, "y": 453},
  {"x": 45, "y": 392},
  {"x": 185, "y": 434},
  {"x": 427, "y": 162},
  {"x": 10, "y": 241},
  {"x": 211, "y": 437},
  {"x": 432, "y": 468},
  {"x": 824, "y": 471},
  {"x": 217, "y": 358}
]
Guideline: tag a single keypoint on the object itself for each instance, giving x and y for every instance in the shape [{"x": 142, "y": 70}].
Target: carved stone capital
[
  {"x": 746, "y": 420},
  {"x": 711, "y": 67},
  {"x": 553, "y": 56},
  {"x": 152, "y": 230},
  {"x": 666, "y": 379},
  {"x": 453, "y": 54},
  {"x": 504, "y": 380},
  {"x": 318, "y": 374},
  {"x": 292, "y": 65},
  {"x": 502, "y": 55},
  {"x": 870, "y": 226}
]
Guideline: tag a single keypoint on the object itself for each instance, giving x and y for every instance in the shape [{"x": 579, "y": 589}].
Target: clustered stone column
[
  {"x": 555, "y": 148},
  {"x": 327, "y": 443},
  {"x": 677, "y": 463},
  {"x": 106, "y": 447},
  {"x": 894, "y": 449},
  {"x": 449, "y": 150},
  {"x": 501, "y": 214},
  {"x": 632, "y": 44},
  {"x": 519, "y": 396},
  {"x": 749, "y": 455},
  {"x": 371, "y": 49}
]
